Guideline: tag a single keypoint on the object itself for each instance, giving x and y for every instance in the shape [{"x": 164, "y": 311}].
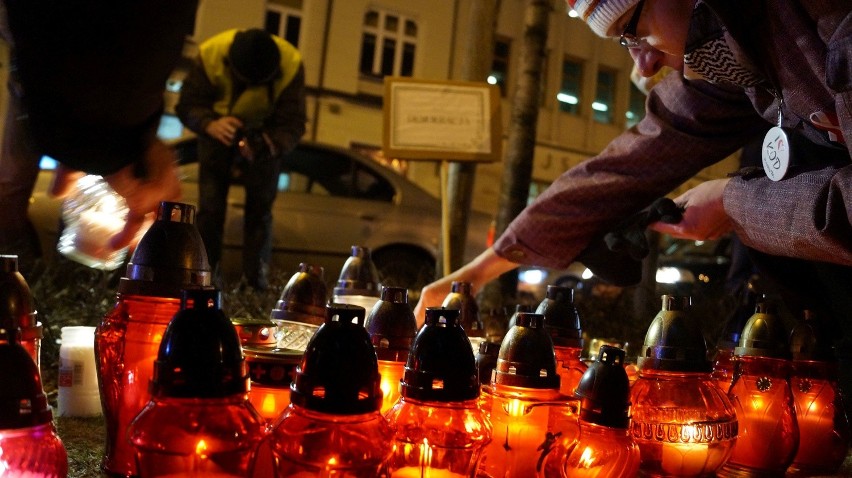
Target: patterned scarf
[{"x": 709, "y": 54}]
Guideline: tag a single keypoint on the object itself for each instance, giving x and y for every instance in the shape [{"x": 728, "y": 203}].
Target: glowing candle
[
  {"x": 170, "y": 257},
  {"x": 562, "y": 322},
  {"x": 391, "y": 373},
  {"x": 683, "y": 423},
  {"x": 271, "y": 370},
  {"x": 823, "y": 427},
  {"x": 693, "y": 457},
  {"x": 439, "y": 429},
  {"x": 418, "y": 472},
  {"x": 392, "y": 327},
  {"x": 760, "y": 392},
  {"x": 532, "y": 421},
  {"x": 604, "y": 448}
]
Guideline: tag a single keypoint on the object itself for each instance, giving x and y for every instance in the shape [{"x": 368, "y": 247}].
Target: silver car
[{"x": 329, "y": 199}]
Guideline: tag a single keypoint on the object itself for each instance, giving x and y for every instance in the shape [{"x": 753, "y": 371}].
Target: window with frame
[
  {"x": 500, "y": 64},
  {"x": 569, "y": 92},
  {"x": 604, "y": 96},
  {"x": 388, "y": 44},
  {"x": 285, "y": 20},
  {"x": 636, "y": 106}
]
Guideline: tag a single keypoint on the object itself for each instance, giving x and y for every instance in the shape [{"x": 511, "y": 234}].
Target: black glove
[{"x": 617, "y": 256}]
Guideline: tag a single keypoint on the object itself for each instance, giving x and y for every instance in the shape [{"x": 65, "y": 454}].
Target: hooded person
[{"x": 245, "y": 99}]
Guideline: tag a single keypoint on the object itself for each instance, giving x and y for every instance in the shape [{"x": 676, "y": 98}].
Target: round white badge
[{"x": 775, "y": 154}]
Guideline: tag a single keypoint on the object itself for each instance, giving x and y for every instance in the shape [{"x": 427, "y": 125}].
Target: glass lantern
[
  {"x": 439, "y": 430},
  {"x": 333, "y": 427},
  {"x": 530, "y": 418},
  {"x": 29, "y": 445},
  {"x": 271, "y": 371},
  {"x": 683, "y": 423},
  {"x": 300, "y": 310},
  {"x": 823, "y": 427},
  {"x": 562, "y": 321},
  {"x": 723, "y": 355},
  {"x": 461, "y": 298},
  {"x": 392, "y": 327},
  {"x": 358, "y": 283},
  {"x": 170, "y": 257},
  {"x": 605, "y": 448},
  {"x": 92, "y": 214},
  {"x": 760, "y": 392},
  {"x": 199, "y": 421},
  {"x": 17, "y": 306}
]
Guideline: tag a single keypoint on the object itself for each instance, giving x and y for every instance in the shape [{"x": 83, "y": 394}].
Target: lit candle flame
[
  {"x": 587, "y": 459},
  {"x": 425, "y": 455},
  {"x": 515, "y": 408},
  {"x": 268, "y": 405},
  {"x": 201, "y": 449}
]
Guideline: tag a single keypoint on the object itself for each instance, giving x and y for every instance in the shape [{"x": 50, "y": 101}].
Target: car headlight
[
  {"x": 532, "y": 276},
  {"x": 674, "y": 275}
]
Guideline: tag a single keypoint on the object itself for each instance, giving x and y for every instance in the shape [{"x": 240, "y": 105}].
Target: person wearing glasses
[{"x": 741, "y": 67}]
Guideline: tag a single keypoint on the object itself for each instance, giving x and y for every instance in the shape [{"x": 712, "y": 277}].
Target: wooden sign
[{"x": 441, "y": 120}]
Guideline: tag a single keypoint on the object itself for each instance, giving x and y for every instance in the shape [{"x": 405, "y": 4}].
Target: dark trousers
[
  {"x": 218, "y": 165},
  {"x": 19, "y": 163}
]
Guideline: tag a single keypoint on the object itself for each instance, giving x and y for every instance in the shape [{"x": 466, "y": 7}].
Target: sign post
[{"x": 442, "y": 121}]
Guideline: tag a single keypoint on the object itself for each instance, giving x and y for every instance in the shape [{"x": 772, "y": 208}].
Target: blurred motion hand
[
  {"x": 704, "y": 214},
  {"x": 432, "y": 295},
  {"x": 224, "y": 129},
  {"x": 485, "y": 267},
  {"x": 143, "y": 195}
]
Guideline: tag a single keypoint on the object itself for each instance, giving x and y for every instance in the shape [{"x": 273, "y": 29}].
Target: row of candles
[{"x": 356, "y": 390}]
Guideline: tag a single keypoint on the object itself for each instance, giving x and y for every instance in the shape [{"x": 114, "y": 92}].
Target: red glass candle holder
[
  {"x": 439, "y": 429},
  {"x": 28, "y": 439},
  {"x": 392, "y": 327},
  {"x": 271, "y": 371},
  {"x": 562, "y": 322},
  {"x": 605, "y": 447},
  {"x": 531, "y": 420},
  {"x": 333, "y": 426},
  {"x": 170, "y": 257},
  {"x": 199, "y": 421},
  {"x": 760, "y": 392},
  {"x": 824, "y": 432},
  {"x": 683, "y": 423}
]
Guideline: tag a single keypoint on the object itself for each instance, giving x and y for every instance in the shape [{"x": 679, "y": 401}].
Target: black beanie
[{"x": 254, "y": 55}]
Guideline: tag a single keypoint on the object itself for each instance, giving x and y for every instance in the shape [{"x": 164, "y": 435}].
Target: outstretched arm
[{"x": 481, "y": 270}]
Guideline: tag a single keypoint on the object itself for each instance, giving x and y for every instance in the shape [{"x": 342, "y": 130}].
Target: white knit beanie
[{"x": 601, "y": 15}]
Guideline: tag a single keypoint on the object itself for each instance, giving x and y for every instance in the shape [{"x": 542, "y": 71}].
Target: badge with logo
[{"x": 775, "y": 153}]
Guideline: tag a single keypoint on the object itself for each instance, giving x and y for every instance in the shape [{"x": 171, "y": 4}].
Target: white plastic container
[{"x": 78, "y": 379}]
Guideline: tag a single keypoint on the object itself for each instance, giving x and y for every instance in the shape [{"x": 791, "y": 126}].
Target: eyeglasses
[{"x": 628, "y": 37}]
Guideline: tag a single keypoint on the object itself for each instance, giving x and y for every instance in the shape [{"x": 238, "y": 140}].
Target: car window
[{"x": 325, "y": 172}]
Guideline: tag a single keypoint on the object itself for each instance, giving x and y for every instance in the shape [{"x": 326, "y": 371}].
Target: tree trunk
[
  {"x": 478, "y": 55},
  {"x": 520, "y": 149}
]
